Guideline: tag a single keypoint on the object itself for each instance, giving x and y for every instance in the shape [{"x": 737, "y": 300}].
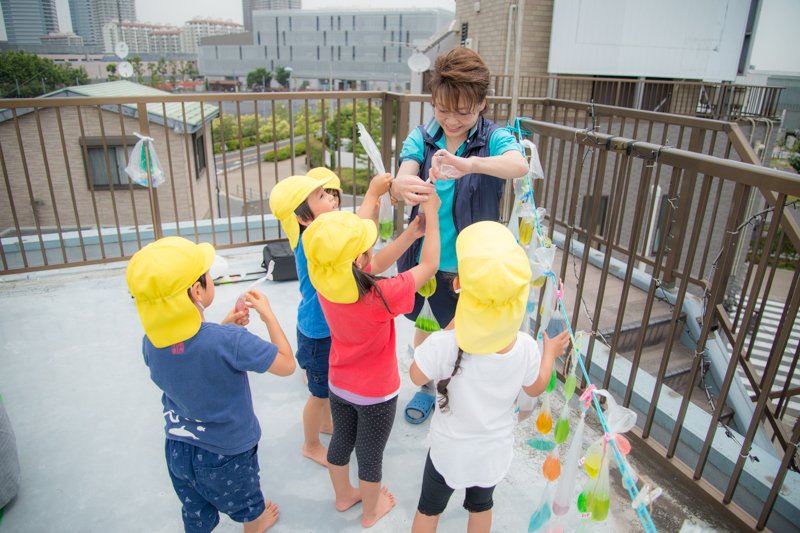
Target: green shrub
[
  {"x": 361, "y": 180},
  {"x": 285, "y": 153}
]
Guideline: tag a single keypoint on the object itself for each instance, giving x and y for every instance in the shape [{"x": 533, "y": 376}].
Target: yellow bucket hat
[
  {"x": 286, "y": 196},
  {"x": 332, "y": 242},
  {"x": 158, "y": 277},
  {"x": 495, "y": 277},
  {"x": 321, "y": 173}
]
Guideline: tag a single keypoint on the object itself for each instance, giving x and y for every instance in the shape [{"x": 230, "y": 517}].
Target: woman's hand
[
  {"x": 411, "y": 189},
  {"x": 446, "y": 166}
]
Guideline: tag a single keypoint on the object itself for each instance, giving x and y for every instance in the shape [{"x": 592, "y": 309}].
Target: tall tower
[
  {"x": 28, "y": 20},
  {"x": 248, "y": 6},
  {"x": 89, "y": 17}
]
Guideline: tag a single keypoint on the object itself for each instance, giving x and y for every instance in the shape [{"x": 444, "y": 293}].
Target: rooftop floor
[{"x": 90, "y": 433}]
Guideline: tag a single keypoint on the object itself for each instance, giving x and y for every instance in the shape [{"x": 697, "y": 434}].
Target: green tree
[
  {"x": 259, "y": 78},
  {"x": 138, "y": 68},
  {"x": 282, "y": 76},
  {"x": 111, "y": 68},
  {"x": 339, "y": 128},
  {"x": 27, "y": 75},
  {"x": 189, "y": 70}
]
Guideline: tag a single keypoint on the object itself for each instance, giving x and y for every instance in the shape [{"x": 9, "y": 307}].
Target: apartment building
[
  {"x": 89, "y": 17},
  {"x": 199, "y": 27}
]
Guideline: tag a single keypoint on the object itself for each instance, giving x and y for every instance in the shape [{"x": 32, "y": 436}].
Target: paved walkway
[{"x": 90, "y": 432}]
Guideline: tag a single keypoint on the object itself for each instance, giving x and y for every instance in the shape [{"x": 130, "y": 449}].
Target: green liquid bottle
[
  {"x": 599, "y": 507},
  {"x": 562, "y": 430},
  {"x": 584, "y": 500},
  {"x": 386, "y": 230},
  {"x": 551, "y": 386},
  {"x": 569, "y": 385}
]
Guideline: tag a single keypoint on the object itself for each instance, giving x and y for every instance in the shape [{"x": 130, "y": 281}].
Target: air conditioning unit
[{"x": 470, "y": 43}]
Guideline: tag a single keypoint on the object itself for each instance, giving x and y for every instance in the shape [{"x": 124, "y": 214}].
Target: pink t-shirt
[{"x": 363, "y": 358}]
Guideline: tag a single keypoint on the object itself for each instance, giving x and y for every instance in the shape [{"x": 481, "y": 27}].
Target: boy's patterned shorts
[{"x": 208, "y": 483}]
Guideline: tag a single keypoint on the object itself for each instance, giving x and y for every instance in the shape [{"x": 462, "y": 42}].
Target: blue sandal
[{"x": 419, "y": 408}]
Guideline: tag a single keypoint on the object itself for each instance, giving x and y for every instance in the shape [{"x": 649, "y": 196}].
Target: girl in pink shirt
[{"x": 360, "y": 307}]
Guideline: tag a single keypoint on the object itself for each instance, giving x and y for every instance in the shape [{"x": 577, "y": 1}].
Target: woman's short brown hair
[{"x": 459, "y": 77}]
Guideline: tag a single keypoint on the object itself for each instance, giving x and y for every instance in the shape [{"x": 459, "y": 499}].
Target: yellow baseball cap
[
  {"x": 495, "y": 276},
  {"x": 321, "y": 173},
  {"x": 332, "y": 242},
  {"x": 158, "y": 277},
  {"x": 286, "y": 196}
]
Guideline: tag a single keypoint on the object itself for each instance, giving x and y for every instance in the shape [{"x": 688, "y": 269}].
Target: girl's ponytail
[{"x": 441, "y": 386}]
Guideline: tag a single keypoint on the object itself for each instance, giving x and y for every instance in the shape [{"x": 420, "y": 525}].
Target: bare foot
[
  {"x": 384, "y": 505},
  {"x": 265, "y": 520},
  {"x": 343, "y": 504},
  {"x": 317, "y": 453}
]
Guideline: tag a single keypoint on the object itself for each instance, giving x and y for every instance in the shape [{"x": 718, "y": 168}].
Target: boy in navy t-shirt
[{"x": 212, "y": 432}]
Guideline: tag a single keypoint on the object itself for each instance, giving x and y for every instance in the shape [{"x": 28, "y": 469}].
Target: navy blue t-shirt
[{"x": 206, "y": 398}]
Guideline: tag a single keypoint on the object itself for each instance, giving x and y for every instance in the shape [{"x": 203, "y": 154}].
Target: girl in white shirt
[{"x": 479, "y": 362}]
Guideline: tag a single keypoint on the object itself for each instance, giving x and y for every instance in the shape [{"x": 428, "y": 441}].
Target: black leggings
[{"x": 365, "y": 428}]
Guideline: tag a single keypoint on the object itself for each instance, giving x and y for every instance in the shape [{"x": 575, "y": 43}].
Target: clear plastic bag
[
  {"x": 426, "y": 321},
  {"x": 143, "y": 166},
  {"x": 386, "y": 218}
]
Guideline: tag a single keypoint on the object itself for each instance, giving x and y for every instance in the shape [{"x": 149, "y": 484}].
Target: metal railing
[
  {"x": 723, "y": 101},
  {"x": 662, "y": 204}
]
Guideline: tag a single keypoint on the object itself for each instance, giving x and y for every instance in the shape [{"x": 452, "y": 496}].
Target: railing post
[
  {"x": 144, "y": 128},
  {"x": 682, "y": 217}
]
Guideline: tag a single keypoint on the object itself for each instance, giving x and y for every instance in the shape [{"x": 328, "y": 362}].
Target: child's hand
[
  {"x": 416, "y": 228},
  {"x": 446, "y": 166},
  {"x": 259, "y": 302},
  {"x": 380, "y": 184},
  {"x": 432, "y": 203},
  {"x": 557, "y": 345},
  {"x": 240, "y": 318}
]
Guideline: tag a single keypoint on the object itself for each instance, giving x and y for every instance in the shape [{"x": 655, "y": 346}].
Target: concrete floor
[{"x": 90, "y": 434}]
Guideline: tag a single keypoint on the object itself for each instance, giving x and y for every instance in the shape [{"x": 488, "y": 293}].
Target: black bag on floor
[{"x": 281, "y": 253}]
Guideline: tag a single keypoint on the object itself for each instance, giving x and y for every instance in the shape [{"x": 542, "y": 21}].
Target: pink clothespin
[{"x": 586, "y": 397}]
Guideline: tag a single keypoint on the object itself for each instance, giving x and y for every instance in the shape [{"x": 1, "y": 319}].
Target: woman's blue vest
[{"x": 476, "y": 196}]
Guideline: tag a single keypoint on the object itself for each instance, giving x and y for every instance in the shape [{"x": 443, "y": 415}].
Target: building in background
[
  {"x": 200, "y": 27},
  {"x": 139, "y": 36},
  {"x": 27, "y": 21},
  {"x": 683, "y": 39},
  {"x": 165, "y": 42},
  {"x": 59, "y": 40},
  {"x": 365, "y": 48},
  {"x": 248, "y": 6},
  {"x": 89, "y": 17}
]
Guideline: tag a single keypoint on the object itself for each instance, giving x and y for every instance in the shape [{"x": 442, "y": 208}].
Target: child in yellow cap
[
  {"x": 360, "y": 308},
  {"x": 202, "y": 368},
  {"x": 297, "y": 201},
  {"x": 479, "y": 362},
  {"x": 333, "y": 185}
]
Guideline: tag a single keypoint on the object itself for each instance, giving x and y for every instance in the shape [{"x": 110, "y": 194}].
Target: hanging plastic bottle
[
  {"x": 542, "y": 514},
  {"x": 428, "y": 288},
  {"x": 571, "y": 380},
  {"x": 426, "y": 320},
  {"x": 566, "y": 483},
  {"x": 548, "y": 303},
  {"x": 584, "y": 500},
  {"x": 552, "y": 466},
  {"x": 593, "y": 458},
  {"x": 385, "y": 218},
  {"x": 561, "y": 432},
  {"x": 544, "y": 422},
  {"x": 541, "y": 444},
  {"x": 601, "y": 496},
  {"x": 526, "y": 223}
]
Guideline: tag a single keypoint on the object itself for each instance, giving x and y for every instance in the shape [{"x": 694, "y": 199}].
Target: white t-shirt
[{"x": 472, "y": 443}]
